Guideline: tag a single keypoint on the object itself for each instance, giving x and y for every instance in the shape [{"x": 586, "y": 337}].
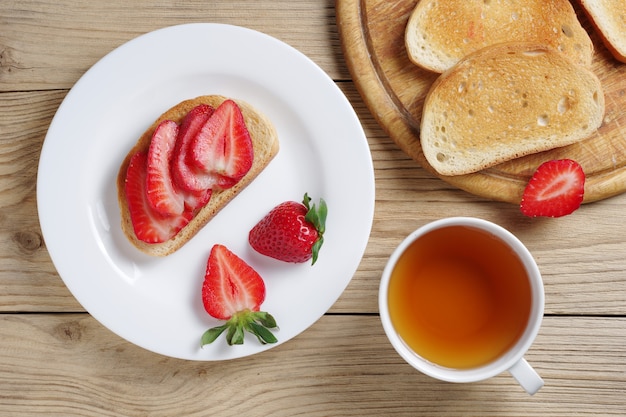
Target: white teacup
[{"x": 461, "y": 300}]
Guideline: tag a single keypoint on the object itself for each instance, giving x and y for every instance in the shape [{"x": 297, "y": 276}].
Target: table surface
[{"x": 55, "y": 359}]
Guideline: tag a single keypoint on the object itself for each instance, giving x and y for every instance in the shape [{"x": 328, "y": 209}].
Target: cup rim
[{"x": 500, "y": 364}]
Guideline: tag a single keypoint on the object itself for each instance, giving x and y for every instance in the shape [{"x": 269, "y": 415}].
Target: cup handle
[{"x": 526, "y": 376}]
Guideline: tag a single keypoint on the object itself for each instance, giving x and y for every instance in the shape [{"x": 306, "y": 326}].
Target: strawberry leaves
[
  {"x": 258, "y": 323},
  {"x": 317, "y": 217}
]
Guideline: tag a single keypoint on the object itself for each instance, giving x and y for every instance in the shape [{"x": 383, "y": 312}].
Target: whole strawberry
[{"x": 291, "y": 231}]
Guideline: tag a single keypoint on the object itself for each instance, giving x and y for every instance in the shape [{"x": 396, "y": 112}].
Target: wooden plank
[
  {"x": 28, "y": 279},
  {"x": 49, "y": 44},
  {"x": 91, "y": 372},
  {"x": 582, "y": 266},
  {"x": 57, "y": 360}
]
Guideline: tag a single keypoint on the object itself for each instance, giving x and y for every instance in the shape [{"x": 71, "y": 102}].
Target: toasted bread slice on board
[
  {"x": 504, "y": 102},
  {"x": 439, "y": 33}
]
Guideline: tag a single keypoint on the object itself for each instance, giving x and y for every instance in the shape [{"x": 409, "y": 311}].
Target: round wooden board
[{"x": 393, "y": 88}]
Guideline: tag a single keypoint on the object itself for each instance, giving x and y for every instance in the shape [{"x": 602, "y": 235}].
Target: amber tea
[{"x": 459, "y": 297}]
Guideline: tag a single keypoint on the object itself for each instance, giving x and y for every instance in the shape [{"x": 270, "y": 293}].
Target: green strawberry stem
[
  {"x": 317, "y": 217},
  {"x": 256, "y": 322}
]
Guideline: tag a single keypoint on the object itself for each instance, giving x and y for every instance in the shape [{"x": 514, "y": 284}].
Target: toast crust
[
  {"x": 609, "y": 19},
  {"x": 504, "y": 102},
  {"x": 265, "y": 145},
  {"x": 439, "y": 33}
]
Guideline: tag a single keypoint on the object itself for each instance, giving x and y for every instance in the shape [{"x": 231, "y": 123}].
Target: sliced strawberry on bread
[
  {"x": 186, "y": 175},
  {"x": 199, "y": 204},
  {"x": 556, "y": 189},
  {"x": 162, "y": 195},
  {"x": 149, "y": 225},
  {"x": 223, "y": 147},
  {"x": 233, "y": 291}
]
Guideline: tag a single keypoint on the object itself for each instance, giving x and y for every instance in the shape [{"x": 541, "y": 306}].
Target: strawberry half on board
[
  {"x": 234, "y": 291},
  {"x": 556, "y": 189},
  {"x": 291, "y": 232}
]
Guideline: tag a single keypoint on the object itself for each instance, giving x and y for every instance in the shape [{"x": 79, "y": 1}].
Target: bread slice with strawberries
[
  {"x": 609, "y": 18},
  {"x": 504, "y": 102},
  {"x": 439, "y": 33},
  {"x": 193, "y": 160}
]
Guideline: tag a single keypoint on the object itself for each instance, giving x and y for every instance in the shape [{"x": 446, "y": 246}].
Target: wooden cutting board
[{"x": 372, "y": 36}]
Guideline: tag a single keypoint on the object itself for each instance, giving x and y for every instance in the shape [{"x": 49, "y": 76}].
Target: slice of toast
[
  {"x": 439, "y": 33},
  {"x": 265, "y": 145},
  {"x": 504, "y": 102},
  {"x": 609, "y": 18}
]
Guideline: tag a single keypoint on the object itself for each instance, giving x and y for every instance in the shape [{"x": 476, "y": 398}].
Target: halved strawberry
[
  {"x": 234, "y": 291},
  {"x": 186, "y": 175},
  {"x": 223, "y": 147},
  {"x": 162, "y": 195},
  {"x": 556, "y": 189},
  {"x": 149, "y": 225}
]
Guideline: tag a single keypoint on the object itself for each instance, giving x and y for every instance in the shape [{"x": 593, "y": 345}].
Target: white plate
[{"x": 155, "y": 303}]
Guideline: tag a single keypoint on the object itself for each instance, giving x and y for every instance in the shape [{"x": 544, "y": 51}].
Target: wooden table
[{"x": 55, "y": 359}]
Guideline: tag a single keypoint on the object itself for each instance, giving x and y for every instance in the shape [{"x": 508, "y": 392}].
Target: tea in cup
[{"x": 461, "y": 299}]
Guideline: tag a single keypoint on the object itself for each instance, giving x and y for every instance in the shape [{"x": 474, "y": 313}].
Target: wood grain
[
  {"x": 49, "y": 44},
  {"x": 27, "y": 276},
  {"x": 91, "y": 372},
  {"x": 56, "y": 360},
  {"x": 372, "y": 32},
  {"x": 582, "y": 275}
]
